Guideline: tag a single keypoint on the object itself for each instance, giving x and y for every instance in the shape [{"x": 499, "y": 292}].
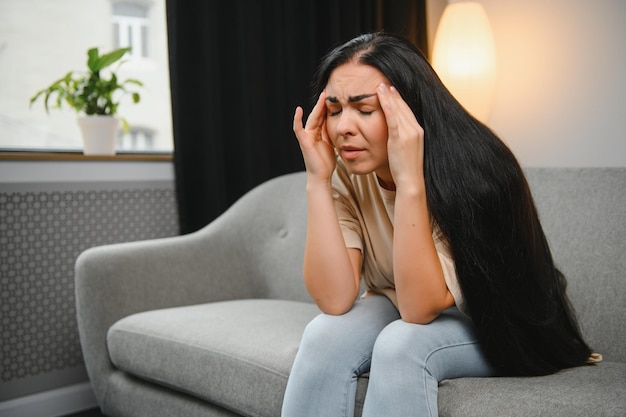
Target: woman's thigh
[
  {"x": 333, "y": 352},
  {"x": 410, "y": 359}
]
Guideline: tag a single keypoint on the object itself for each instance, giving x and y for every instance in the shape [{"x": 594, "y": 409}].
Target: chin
[{"x": 356, "y": 168}]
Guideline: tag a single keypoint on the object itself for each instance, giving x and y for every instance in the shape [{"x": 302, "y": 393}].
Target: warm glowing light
[{"x": 464, "y": 57}]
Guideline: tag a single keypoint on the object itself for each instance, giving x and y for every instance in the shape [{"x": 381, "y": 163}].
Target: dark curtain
[{"x": 238, "y": 69}]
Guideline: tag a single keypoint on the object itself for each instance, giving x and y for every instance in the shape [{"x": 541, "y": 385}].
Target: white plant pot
[{"x": 99, "y": 134}]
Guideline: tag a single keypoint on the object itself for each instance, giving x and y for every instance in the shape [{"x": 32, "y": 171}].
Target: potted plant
[{"x": 95, "y": 99}]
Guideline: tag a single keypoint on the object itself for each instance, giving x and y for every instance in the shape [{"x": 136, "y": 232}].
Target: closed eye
[{"x": 337, "y": 112}]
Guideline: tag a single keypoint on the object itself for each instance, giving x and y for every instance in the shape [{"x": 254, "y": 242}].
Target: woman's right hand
[{"x": 317, "y": 149}]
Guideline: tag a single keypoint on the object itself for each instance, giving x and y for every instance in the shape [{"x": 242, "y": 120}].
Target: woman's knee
[
  {"x": 399, "y": 343},
  {"x": 322, "y": 327},
  {"x": 417, "y": 343},
  {"x": 446, "y": 348},
  {"x": 358, "y": 327},
  {"x": 351, "y": 336},
  {"x": 323, "y": 334}
]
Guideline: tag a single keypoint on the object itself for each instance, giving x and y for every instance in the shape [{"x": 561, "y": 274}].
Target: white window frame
[{"x": 132, "y": 31}]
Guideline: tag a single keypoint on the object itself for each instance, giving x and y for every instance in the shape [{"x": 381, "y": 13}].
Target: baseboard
[{"x": 53, "y": 403}]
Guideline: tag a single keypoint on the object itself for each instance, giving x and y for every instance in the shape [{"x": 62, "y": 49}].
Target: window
[
  {"x": 130, "y": 28},
  {"x": 40, "y": 41},
  {"x": 137, "y": 139}
]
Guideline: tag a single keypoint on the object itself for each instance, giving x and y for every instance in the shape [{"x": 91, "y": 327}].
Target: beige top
[{"x": 366, "y": 214}]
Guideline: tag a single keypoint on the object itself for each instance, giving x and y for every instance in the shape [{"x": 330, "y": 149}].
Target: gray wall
[{"x": 43, "y": 227}]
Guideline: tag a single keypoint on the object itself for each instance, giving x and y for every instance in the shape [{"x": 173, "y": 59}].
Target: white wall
[{"x": 561, "y": 87}]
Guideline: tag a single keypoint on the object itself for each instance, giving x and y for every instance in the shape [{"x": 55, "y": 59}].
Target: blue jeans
[{"x": 406, "y": 361}]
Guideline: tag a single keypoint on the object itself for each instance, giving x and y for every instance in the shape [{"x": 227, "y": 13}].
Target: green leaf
[
  {"x": 90, "y": 93},
  {"x": 36, "y": 96},
  {"x": 93, "y": 62},
  {"x": 67, "y": 79},
  {"x": 133, "y": 81},
  {"x": 111, "y": 57}
]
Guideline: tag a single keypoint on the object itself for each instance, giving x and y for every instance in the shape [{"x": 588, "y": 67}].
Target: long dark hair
[{"x": 478, "y": 196}]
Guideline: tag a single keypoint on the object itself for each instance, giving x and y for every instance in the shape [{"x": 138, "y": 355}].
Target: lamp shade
[{"x": 464, "y": 57}]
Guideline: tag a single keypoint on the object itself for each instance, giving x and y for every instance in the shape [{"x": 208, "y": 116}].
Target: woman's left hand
[
  {"x": 421, "y": 289},
  {"x": 405, "y": 145}
]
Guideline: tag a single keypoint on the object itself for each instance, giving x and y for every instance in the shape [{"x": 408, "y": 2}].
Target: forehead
[{"x": 353, "y": 79}]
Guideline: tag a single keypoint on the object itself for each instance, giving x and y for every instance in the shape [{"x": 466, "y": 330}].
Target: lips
[{"x": 350, "y": 152}]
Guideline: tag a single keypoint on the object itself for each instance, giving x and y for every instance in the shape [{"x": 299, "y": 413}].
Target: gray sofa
[{"x": 208, "y": 324}]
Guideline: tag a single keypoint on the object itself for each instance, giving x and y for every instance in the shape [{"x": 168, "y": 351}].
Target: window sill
[
  {"x": 37, "y": 167},
  {"x": 79, "y": 156}
]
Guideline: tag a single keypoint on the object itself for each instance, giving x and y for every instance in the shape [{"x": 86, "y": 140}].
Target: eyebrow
[{"x": 351, "y": 99}]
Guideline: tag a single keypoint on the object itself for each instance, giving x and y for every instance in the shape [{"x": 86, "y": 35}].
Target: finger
[
  {"x": 325, "y": 136},
  {"x": 316, "y": 118},
  {"x": 389, "y": 107},
  {"x": 404, "y": 112},
  {"x": 398, "y": 114},
  {"x": 297, "y": 120}
]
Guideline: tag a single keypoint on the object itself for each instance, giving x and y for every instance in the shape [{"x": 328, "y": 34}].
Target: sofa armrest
[
  {"x": 253, "y": 250},
  {"x": 115, "y": 281}
]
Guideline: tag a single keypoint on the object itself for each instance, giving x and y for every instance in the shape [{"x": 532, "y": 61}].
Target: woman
[{"x": 432, "y": 211}]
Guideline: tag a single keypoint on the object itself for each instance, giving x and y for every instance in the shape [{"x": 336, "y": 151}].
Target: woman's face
[{"x": 355, "y": 120}]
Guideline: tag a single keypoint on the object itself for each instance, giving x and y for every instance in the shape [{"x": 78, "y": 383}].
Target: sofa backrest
[
  {"x": 583, "y": 213},
  {"x": 265, "y": 232},
  {"x": 582, "y": 210}
]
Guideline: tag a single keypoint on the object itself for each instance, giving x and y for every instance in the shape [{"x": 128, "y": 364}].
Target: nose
[{"x": 346, "y": 125}]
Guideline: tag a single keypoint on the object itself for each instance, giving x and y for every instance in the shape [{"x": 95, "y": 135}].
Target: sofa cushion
[
  {"x": 237, "y": 354},
  {"x": 588, "y": 391}
]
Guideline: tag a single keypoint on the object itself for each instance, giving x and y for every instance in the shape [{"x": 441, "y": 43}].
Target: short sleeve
[
  {"x": 345, "y": 209},
  {"x": 449, "y": 269}
]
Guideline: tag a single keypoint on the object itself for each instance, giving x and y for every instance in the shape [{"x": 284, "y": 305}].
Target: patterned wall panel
[{"x": 41, "y": 234}]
